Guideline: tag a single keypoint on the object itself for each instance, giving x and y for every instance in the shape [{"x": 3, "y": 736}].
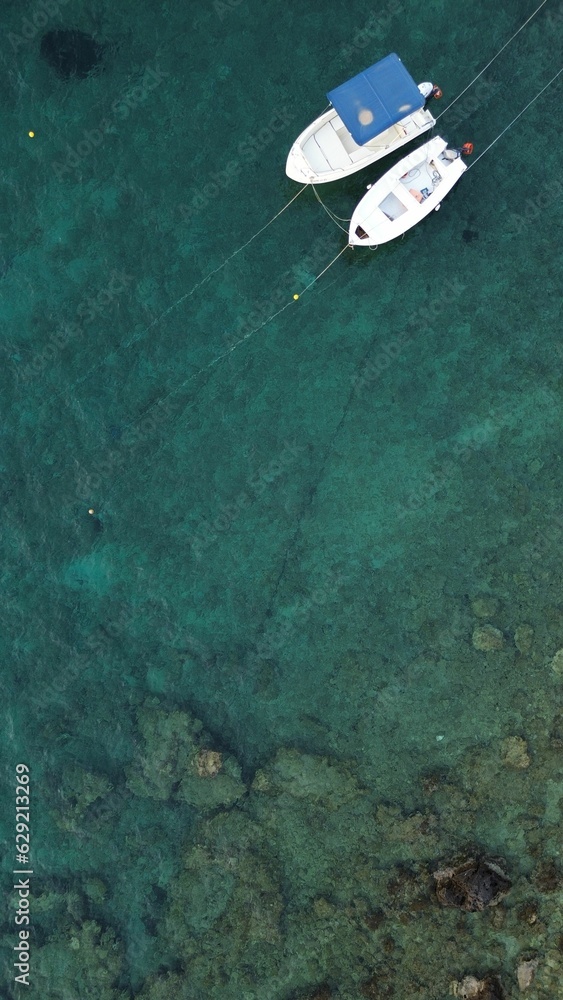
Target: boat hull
[
  {"x": 325, "y": 151},
  {"x": 406, "y": 194}
]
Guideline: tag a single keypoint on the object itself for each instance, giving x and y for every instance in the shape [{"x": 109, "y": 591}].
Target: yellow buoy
[
  {"x": 31, "y": 134},
  {"x": 296, "y": 296}
]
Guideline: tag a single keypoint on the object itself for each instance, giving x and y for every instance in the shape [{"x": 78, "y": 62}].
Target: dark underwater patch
[
  {"x": 468, "y": 235},
  {"x": 71, "y": 53}
]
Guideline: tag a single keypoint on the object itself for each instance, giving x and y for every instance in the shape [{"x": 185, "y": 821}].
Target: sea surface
[{"x": 282, "y": 596}]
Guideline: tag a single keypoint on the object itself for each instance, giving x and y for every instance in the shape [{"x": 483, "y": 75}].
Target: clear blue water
[{"x": 251, "y": 686}]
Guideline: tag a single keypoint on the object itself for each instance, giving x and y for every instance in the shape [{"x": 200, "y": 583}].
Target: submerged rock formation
[
  {"x": 472, "y": 884},
  {"x": 176, "y": 762},
  {"x": 472, "y": 988}
]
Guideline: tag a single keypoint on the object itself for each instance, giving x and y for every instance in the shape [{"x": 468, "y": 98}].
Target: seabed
[{"x": 282, "y": 624}]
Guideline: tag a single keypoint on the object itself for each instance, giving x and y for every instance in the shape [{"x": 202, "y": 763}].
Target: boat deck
[
  {"x": 423, "y": 179},
  {"x": 406, "y": 194},
  {"x": 326, "y": 149}
]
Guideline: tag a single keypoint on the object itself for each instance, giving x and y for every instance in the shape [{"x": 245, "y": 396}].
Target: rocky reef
[
  {"x": 88, "y": 962},
  {"x": 304, "y": 884},
  {"x": 472, "y": 884},
  {"x": 178, "y": 762}
]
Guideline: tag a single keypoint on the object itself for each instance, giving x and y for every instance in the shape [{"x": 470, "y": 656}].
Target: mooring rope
[
  {"x": 491, "y": 61},
  {"x": 158, "y": 319},
  {"x": 519, "y": 115},
  {"x": 325, "y": 269},
  {"x": 230, "y": 257},
  {"x": 331, "y": 215},
  {"x": 244, "y": 245},
  {"x": 227, "y": 259},
  {"x": 251, "y": 333}
]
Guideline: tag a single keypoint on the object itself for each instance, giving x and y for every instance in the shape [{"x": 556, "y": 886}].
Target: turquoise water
[{"x": 251, "y": 687}]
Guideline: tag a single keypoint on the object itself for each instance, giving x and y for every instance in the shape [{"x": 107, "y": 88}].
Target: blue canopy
[{"x": 375, "y": 99}]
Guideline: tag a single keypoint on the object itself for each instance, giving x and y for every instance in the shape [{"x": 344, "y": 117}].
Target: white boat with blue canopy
[{"x": 371, "y": 115}]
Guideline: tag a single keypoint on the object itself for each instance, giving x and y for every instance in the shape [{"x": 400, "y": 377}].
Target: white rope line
[
  {"x": 542, "y": 4},
  {"x": 220, "y": 357},
  {"x": 226, "y": 261},
  {"x": 339, "y": 217},
  {"x": 244, "y": 245},
  {"x": 330, "y": 214},
  {"x": 333, "y": 261},
  {"x": 158, "y": 319},
  {"x": 233, "y": 347},
  {"x": 529, "y": 104}
]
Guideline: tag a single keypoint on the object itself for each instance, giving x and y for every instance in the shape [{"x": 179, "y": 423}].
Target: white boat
[
  {"x": 371, "y": 115},
  {"x": 407, "y": 193}
]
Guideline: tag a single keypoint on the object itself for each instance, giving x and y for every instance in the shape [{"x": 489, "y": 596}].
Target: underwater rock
[
  {"x": 318, "y": 780},
  {"x": 224, "y": 910},
  {"x": 556, "y": 732},
  {"x": 379, "y": 985},
  {"x": 471, "y": 885},
  {"x": 407, "y": 889},
  {"x": 524, "y": 638},
  {"x": 525, "y": 973},
  {"x": 80, "y": 789},
  {"x": 487, "y": 638},
  {"x": 322, "y": 992},
  {"x": 208, "y": 763},
  {"x": 547, "y": 876},
  {"x": 514, "y": 752},
  {"x": 557, "y": 663},
  {"x": 419, "y": 830},
  {"x": 96, "y": 890},
  {"x": 223, "y": 791},
  {"x": 498, "y": 918},
  {"x": 177, "y": 763},
  {"x": 528, "y": 913},
  {"x": 86, "y": 961},
  {"x": 373, "y": 919},
  {"x": 472, "y": 988},
  {"x": 484, "y": 607},
  {"x": 163, "y": 985},
  {"x": 71, "y": 53}
]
